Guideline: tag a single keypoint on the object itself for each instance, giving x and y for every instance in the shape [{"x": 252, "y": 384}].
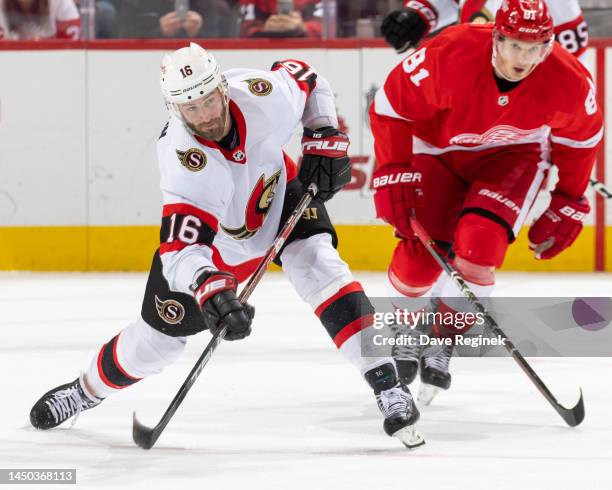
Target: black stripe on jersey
[
  {"x": 301, "y": 72},
  {"x": 344, "y": 311},
  {"x": 183, "y": 225}
]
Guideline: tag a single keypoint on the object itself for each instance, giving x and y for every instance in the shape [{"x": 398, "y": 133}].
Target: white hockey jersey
[
  {"x": 570, "y": 26},
  {"x": 221, "y": 208}
]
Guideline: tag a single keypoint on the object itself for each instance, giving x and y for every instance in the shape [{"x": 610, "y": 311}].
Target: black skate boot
[
  {"x": 435, "y": 375},
  {"x": 406, "y": 353},
  {"x": 396, "y": 404},
  {"x": 60, "y": 404}
]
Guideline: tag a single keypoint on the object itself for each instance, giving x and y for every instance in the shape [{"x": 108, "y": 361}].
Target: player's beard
[{"x": 215, "y": 129}]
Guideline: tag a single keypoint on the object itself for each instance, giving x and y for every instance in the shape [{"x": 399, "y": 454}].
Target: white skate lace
[
  {"x": 393, "y": 401},
  {"x": 67, "y": 403},
  {"x": 438, "y": 357}
]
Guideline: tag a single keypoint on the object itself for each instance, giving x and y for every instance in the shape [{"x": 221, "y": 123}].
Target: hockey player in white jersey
[
  {"x": 227, "y": 189},
  {"x": 404, "y": 28}
]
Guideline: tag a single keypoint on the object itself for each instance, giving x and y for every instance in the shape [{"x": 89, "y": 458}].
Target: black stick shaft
[
  {"x": 145, "y": 437},
  {"x": 571, "y": 416}
]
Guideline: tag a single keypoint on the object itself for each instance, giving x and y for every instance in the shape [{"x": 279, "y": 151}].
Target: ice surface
[{"x": 283, "y": 409}]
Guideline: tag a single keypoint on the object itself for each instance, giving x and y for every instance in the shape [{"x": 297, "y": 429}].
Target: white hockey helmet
[{"x": 188, "y": 74}]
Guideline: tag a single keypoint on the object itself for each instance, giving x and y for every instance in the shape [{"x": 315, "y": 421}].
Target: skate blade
[
  {"x": 427, "y": 393},
  {"x": 410, "y": 437}
]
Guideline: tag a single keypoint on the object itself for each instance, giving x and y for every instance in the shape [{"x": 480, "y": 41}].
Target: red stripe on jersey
[
  {"x": 426, "y": 11},
  {"x": 353, "y": 328},
  {"x": 302, "y": 73},
  {"x": 103, "y": 377},
  {"x": 188, "y": 209},
  {"x": 242, "y": 271},
  {"x": 176, "y": 246},
  {"x": 116, "y": 360},
  {"x": 349, "y": 288},
  {"x": 290, "y": 167}
]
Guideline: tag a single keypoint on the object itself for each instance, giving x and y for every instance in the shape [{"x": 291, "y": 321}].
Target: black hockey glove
[
  {"x": 404, "y": 28},
  {"x": 215, "y": 292},
  {"x": 325, "y": 161}
]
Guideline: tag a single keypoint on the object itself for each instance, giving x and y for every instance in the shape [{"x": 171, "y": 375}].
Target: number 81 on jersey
[{"x": 411, "y": 63}]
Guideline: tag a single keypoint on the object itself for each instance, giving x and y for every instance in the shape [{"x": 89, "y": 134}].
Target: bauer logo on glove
[
  {"x": 397, "y": 178},
  {"x": 559, "y": 226}
]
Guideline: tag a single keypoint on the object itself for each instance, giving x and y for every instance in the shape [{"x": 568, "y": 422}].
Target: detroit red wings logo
[
  {"x": 257, "y": 208},
  {"x": 497, "y": 134}
]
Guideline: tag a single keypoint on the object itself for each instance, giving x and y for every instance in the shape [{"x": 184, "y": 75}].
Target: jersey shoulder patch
[
  {"x": 257, "y": 83},
  {"x": 180, "y": 153}
]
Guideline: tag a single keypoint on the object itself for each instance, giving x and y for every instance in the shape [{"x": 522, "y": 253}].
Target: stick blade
[
  {"x": 143, "y": 436},
  {"x": 575, "y": 415}
]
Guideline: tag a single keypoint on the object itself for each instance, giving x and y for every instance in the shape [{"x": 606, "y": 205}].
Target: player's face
[
  {"x": 515, "y": 59},
  {"x": 208, "y": 116}
]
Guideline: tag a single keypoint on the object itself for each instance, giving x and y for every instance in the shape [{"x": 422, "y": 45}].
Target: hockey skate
[
  {"x": 396, "y": 404},
  {"x": 60, "y": 404},
  {"x": 407, "y": 353},
  {"x": 435, "y": 376}
]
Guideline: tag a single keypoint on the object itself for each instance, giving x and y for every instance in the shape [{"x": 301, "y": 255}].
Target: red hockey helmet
[{"x": 527, "y": 20}]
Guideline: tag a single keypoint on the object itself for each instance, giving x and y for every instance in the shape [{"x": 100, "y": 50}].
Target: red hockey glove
[
  {"x": 558, "y": 227},
  {"x": 397, "y": 191},
  {"x": 325, "y": 161},
  {"x": 215, "y": 292}
]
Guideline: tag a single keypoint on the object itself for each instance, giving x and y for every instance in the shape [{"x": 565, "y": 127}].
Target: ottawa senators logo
[
  {"x": 259, "y": 86},
  {"x": 257, "y": 208},
  {"x": 170, "y": 311},
  {"x": 192, "y": 159}
]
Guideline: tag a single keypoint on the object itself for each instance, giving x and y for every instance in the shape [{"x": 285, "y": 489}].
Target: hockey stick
[
  {"x": 146, "y": 437},
  {"x": 601, "y": 188},
  {"x": 572, "y": 416}
]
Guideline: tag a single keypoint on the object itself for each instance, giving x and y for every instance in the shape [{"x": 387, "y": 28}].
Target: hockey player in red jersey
[
  {"x": 227, "y": 188},
  {"x": 465, "y": 131},
  {"x": 405, "y": 27}
]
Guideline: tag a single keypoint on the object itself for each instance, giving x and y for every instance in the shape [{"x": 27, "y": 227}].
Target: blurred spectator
[
  {"x": 281, "y": 18},
  {"x": 105, "y": 18},
  {"x": 4, "y": 32},
  {"x": 41, "y": 19},
  {"x": 175, "y": 18},
  {"x": 355, "y": 14}
]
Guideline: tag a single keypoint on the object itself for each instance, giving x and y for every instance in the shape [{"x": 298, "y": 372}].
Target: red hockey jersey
[
  {"x": 570, "y": 27},
  {"x": 443, "y": 99}
]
